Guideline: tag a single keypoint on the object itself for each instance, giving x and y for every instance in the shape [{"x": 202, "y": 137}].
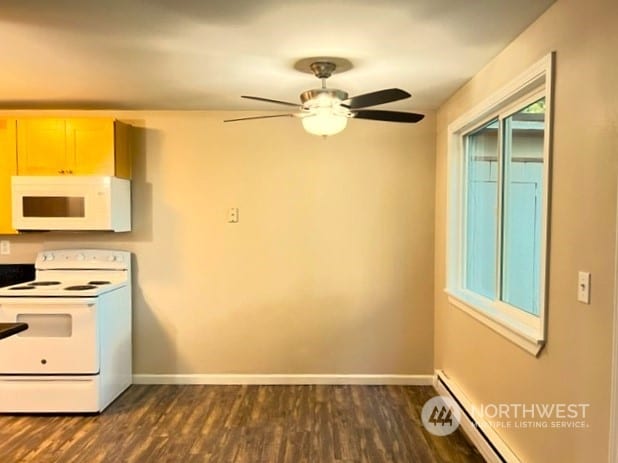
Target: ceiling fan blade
[
  {"x": 389, "y": 116},
  {"x": 268, "y": 100},
  {"x": 375, "y": 98},
  {"x": 258, "y": 117}
]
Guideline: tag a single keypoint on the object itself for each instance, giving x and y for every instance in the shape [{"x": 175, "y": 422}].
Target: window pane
[
  {"x": 481, "y": 199},
  {"x": 522, "y": 204}
]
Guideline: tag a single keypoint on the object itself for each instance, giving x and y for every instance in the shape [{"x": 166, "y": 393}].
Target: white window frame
[{"x": 524, "y": 329}]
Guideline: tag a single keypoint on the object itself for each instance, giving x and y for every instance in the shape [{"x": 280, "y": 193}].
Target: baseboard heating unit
[{"x": 489, "y": 444}]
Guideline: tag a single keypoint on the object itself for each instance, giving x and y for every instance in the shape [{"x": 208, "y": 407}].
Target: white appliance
[
  {"x": 75, "y": 355},
  {"x": 71, "y": 202}
]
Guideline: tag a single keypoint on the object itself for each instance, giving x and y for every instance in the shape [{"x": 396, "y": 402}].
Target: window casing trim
[
  {"x": 520, "y": 335},
  {"x": 525, "y": 330}
]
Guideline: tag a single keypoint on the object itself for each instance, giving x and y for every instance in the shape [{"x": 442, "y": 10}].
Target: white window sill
[{"x": 523, "y": 336}]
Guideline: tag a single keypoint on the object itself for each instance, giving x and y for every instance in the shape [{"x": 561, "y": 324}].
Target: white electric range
[{"x": 75, "y": 355}]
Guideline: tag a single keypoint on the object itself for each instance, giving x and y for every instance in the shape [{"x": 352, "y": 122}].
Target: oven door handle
[
  {"x": 78, "y": 310},
  {"x": 36, "y": 303},
  {"x": 37, "y": 306}
]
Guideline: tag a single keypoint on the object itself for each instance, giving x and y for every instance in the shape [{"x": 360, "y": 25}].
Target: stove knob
[
  {"x": 111, "y": 258},
  {"x": 80, "y": 257},
  {"x": 48, "y": 257}
]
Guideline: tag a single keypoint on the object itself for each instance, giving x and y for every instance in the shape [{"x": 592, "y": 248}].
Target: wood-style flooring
[{"x": 240, "y": 424}]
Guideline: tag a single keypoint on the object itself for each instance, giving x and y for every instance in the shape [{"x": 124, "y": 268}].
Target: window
[{"x": 498, "y": 203}]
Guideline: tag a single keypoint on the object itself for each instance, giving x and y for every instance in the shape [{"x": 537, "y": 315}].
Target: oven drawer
[
  {"x": 44, "y": 394},
  {"x": 62, "y": 337}
]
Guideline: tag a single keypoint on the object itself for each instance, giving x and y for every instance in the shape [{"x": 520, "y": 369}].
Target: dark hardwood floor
[{"x": 240, "y": 424}]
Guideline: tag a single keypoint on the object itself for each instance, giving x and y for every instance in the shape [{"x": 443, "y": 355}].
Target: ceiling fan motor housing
[{"x": 315, "y": 93}]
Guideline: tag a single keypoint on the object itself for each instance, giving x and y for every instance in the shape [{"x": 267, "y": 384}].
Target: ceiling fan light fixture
[
  {"x": 324, "y": 123},
  {"x": 324, "y": 114}
]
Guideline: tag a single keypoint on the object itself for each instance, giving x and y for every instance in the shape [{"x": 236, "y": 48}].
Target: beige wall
[
  {"x": 575, "y": 364},
  {"x": 330, "y": 269}
]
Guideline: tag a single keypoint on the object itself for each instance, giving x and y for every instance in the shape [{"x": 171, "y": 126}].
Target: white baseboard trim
[
  {"x": 407, "y": 380},
  {"x": 482, "y": 435}
]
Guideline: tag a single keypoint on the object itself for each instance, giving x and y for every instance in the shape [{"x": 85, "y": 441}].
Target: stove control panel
[{"x": 83, "y": 259}]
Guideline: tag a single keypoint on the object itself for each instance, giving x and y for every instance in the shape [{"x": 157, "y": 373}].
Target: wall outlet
[
  {"x": 583, "y": 287},
  {"x": 5, "y": 247}
]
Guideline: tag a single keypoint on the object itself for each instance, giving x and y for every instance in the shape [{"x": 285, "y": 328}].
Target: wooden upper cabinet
[
  {"x": 42, "y": 146},
  {"x": 90, "y": 147},
  {"x": 8, "y": 167},
  {"x": 73, "y": 146}
]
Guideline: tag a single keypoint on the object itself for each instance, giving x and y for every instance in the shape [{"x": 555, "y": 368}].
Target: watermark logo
[
  {"x": 440, "y": 415},
  {"x": 532, "y": 415}
]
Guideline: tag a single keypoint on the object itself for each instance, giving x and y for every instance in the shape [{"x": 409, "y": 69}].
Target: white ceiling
[{"x": 204, "y": 54}]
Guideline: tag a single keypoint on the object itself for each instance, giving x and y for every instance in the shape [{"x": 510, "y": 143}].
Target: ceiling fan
[{"x": 325, "y": 111}]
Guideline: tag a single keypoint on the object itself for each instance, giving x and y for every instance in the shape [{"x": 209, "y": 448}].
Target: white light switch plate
[
  {"x": 232, "y": 215},
  {"x": 583, "y": 287}
]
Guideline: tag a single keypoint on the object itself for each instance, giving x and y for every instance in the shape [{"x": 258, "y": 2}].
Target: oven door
[{"x": 62, "y": 336}]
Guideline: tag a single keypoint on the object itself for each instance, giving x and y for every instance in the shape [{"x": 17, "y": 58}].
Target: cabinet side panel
[
  {"x": 8, "y": 167},
  {"x": 122, "y": 150}
]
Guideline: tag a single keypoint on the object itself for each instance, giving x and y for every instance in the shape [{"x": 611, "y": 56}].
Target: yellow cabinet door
[
  {"x": 73, "y": 146},
  {"x": 90, "y": 146},
  {"x": 41, "y": 146},
  {"x": 8, "y": 167}
]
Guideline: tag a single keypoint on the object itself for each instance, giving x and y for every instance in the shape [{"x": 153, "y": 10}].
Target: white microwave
[{"x": 71, "y": 203}]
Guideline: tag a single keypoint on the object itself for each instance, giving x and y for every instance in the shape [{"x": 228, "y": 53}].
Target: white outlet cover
[{"x": 5, "y": 247}]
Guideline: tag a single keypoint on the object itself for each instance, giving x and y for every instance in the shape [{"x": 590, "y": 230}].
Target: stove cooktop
[{"x": 42, "y": 288}]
